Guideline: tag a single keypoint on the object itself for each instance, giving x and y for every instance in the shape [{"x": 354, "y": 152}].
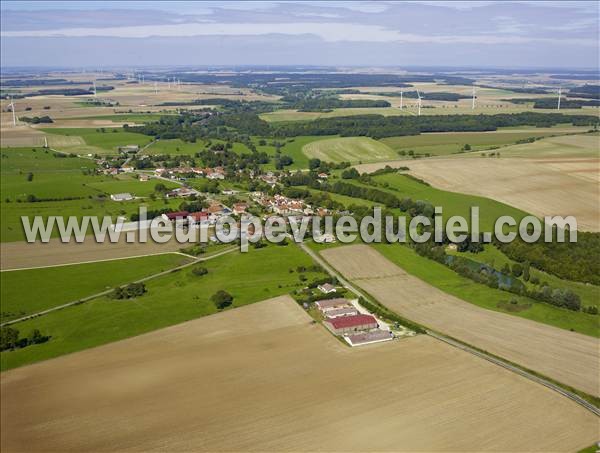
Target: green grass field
[
  {"x": 128, "y": 183},
  {"x": 53, "y": 177},
  {"x": 29, "y": 291},
  {"x": 450, "y": 282},
  {"x": 11, "y": 227},
  {"x": 349, "y": 149},
  {"x": 57, "y": 178},
  {"x": 174, "y": 147},
  {"x": 445, "y": 143},
  {"x": 98, "y": 142},
  {"x": 171, "y": 299}
]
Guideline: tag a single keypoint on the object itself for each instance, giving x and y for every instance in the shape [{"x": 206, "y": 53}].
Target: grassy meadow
[
  {"x": 96, "y": 141},
  {"x": 52, "y": 286},
  {"x": 444, "y": 143},
  {"x": 349, "y": 149},
  {"x": 170, "y": 299}
]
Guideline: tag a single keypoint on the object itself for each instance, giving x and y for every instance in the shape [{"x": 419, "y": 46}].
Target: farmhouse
[
  {"x": 337, "y": 312},
  {"x": 121, "y": 196},
  {"x": 144, "y": 178},
  {"x": 127, "y": 168},
  {"x": 181, "y": 192},
  {"x": 111, "y": 171},
  {"x": 350, "y": 324},
  {"x": 330, "y": 304},
  {"x": 239, "y": 208},
  {"x": 178, "y": 216},
  {"x": 198, "y": 218},
  {"x": 129, "y": 149},
  {"x": 326, "y": 288}
]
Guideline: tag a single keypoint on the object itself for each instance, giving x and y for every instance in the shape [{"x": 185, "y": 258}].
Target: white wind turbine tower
[
  {"x": 401, "y": 94},
  {"x": 169, "y": 82},
  {"x": 473, "y": 100},
  {"x": 12, "y": 108},
  {"x": 95, "y": 92},
  {"x": 419, "y": 102},
  {"x": 559, "y": 93}
]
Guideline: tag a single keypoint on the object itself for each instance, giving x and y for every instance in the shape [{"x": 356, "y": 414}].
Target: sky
[{"x": 525, "y": 34}]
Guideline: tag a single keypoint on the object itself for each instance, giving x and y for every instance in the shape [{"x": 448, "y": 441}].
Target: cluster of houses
[
  {"x": 208, "y": 216},
  {"x": 351, "y": 321},
  {"x": 282, "y": 205},
  {"x": 180, "y": 172}
]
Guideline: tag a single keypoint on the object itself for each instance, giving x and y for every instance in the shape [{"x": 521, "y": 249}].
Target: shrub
[
  {"x": 199, "y": 271},
  {"x": 221, "y": 299}
]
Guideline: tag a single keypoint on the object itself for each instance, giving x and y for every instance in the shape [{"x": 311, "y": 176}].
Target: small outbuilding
[
  {"x": 121, "y": 197},
  {"x": 326, "y": 288},
  {"x": 332, "y": 304}
]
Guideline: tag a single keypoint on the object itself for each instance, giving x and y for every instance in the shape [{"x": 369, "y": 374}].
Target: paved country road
[{"x": 498, "y": 361}]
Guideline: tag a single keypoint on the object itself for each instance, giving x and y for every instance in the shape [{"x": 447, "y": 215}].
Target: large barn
[{"x": 350, "y": 324}]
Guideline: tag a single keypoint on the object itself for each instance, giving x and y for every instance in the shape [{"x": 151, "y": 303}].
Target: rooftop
[{"x": 352, "y": 321}]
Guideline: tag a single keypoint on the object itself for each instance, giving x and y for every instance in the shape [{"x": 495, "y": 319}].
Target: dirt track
[
  {"x": 568, "y": 357},
  {"x": 262, "y": 377}
]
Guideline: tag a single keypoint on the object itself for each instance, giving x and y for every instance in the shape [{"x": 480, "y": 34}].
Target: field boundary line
[
  {"x": 516, "y": 369},
  {"x": 108, "y": 291},
  {"x": 462, "y": 346},
  {"x": 96, "y": 261}
]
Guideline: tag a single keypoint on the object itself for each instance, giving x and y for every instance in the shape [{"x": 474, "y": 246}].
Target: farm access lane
[
  {"x": 108, "y": 291},
  {"x": 461, "y": 345}
]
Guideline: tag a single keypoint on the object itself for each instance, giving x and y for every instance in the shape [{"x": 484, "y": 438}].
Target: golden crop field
[
  {"x": 568, "y": 357},
  {"x": 265, "y": 378}
]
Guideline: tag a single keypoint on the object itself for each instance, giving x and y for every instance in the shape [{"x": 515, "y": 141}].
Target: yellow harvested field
[
  {"x": 544, "y": 187},
  {"x": 264, "y": 378},
  {"x": 20, "y": 255},
  {"x": 568, "y": 357},
  {"x": 568, "y": 146},
  {"x": 19, "y": 136}
]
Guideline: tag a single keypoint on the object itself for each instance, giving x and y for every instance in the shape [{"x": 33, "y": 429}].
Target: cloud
[{"x": 327, "y": 31}]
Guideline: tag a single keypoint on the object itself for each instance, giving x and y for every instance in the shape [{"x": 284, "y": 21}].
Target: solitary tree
[{"x": 222, "y": 299}]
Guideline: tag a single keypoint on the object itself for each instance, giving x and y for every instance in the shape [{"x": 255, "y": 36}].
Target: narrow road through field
[
  {"x": 108, "y": 291},
  {"x": 508, "y": 366}
]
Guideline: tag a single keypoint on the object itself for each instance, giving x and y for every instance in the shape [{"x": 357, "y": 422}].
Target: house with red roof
[
  {"x": 351, "y": 324},
  {"x": 178, "y": 216}
]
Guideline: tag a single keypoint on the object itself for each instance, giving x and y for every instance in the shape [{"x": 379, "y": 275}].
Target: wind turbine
[
  {"x": 95, "y": 92},
  {"x": 473, "y": 100},
  {"x": 12, "y": 108},
  {"x": 559, "y": 93},
  {"x": 401, "y": 94},
  {"x": 419, "y": 102},
  {"x": 45, "y": 142},
  {"x": 169, "y": 82}
]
